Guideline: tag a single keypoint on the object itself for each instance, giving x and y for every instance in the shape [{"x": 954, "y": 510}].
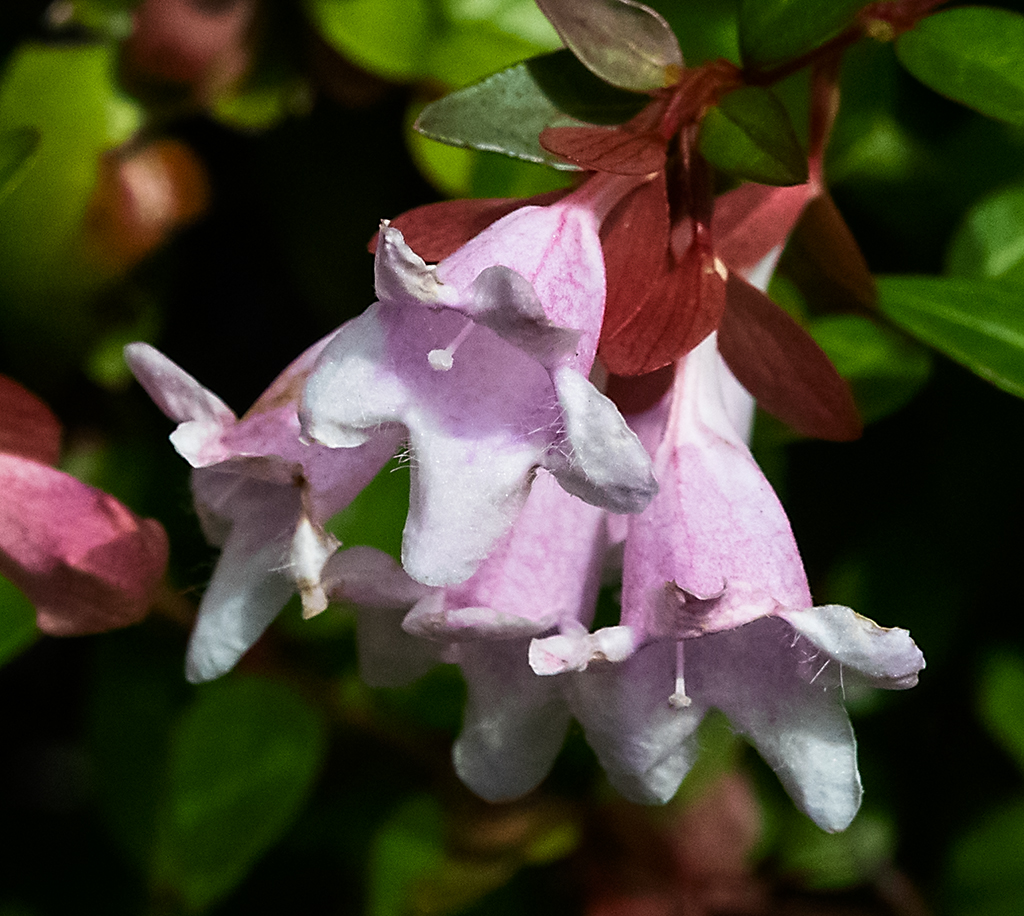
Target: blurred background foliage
[{"x": 205, "y": 175}]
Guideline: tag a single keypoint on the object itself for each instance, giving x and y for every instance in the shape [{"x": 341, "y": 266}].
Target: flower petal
[
  {"x": 558, "y": 251},
  {"x": 430, "y": 619},
  {"x": 505, "y": 302},
  {"x": 476, "y": 431},
  {"x": 251, "y": 582},
  {"x": 515, "y": 722},
  {"x": 85, "y": 561},
  {"x": 401, "y": 275},
  {"x": 601, "y": 459},
  {"x": 716, "y": 528},
  {"x": 885, "y": 657},
  {"x": 383, "y": 593},
  {"x": 645, "y": 745},
  {"x": 201, "y": 415},
  {"x": 27, "y": 426},
  {"x": 576, "y": 650},
  {"x": 753, "y": 675}
]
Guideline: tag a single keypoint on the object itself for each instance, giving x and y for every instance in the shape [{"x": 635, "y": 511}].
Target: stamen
[
  {"x": 679, "y": 699},
  {"x": 441, "y": 360}
]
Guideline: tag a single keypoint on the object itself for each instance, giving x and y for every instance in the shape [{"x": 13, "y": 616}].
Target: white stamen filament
[
  {"x": 679, "y": 699},
  {"x": 441, "y": 360}
]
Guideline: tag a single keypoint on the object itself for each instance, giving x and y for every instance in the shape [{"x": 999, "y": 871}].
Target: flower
[
  {"x": 717, "y": 602},
  {"x": 262, "y": 494},
  {"x": 542, "y": 577},
  {"x": 483, "y": 360},
  {"x": 83, "y": 559}
]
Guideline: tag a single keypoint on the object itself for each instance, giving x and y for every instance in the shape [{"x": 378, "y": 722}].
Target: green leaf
[
  {"x": 136, "y": 694},
  {"x": 408, "y": 847},
  {"x": 453, "y": 41},
  {"x": 480, "y": 39},
  {"x": 16, "y": 149},
  {"x": 1002, "y": 709},
  {"x": 506, "y": 112},
  {"x": 68, "y": 95},
  {"x": 973, "y": 55},
  {"x": 706, "y": 30},
  {"x": 17, "y": 621},
  {"x": 749, "y": 135},
  {"x": 978, "y": 323},
  {"x": 503, "y": 114},
  {"x": 986, "y": 869},
  {"x": 389, "y": 37},
  {"x": 774, "y": 31},
  {"x": 580, "y": 94},
  {"x": 376, "y": 517},
  {"x": 623, "y": 42},
  {"x": 884, "y": 368},
  {"x": 242, "y": 762},
  {"x": 990, "y": 242}
]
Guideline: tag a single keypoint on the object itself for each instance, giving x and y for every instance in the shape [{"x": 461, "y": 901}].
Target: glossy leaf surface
[
  {"x": 506, "y": 112},
  {"x": 623, "y": 42},
  {"x": 749, "y": 135},
  {"x": 973, "y": 55},
  {"x": 773, "y": 31},
  {"x": 416, "y": 39},
  {"x": 990, "y": 242},
  {"x": 885, "y": 369},
  {"x": 978, "y": 323}
]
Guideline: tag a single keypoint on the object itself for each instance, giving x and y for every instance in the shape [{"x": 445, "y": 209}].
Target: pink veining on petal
[
  {"x": 716, "y": 525},
  {"x": 544, "y": 573},
  {"x": 566, "y": 271}
]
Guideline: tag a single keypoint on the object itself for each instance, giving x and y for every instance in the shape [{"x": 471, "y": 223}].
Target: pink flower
[
  {"x": 262, "y": 494},
  {"x": 542, "y": 577},
  {"x": 83, "y": 559},
  {"x": 483, "y": 361},
  {"x": 716, "y": 599}
]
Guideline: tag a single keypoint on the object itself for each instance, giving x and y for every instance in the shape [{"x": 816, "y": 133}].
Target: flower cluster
[{"x": 529, "y": 483}]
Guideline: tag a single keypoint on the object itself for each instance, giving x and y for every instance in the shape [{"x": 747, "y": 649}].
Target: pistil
[
  {"x": 441, "y": 360},
  {"x": 679, "y": 699}
]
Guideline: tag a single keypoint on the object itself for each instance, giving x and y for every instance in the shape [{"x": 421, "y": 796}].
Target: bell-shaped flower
[
  {"x": 262, "y": 494},
  {"x": 85, "y": 561},
  {"x": 715, "y": 596},
  {"x": 483, "y": 360},
  {"x": 541, "y": 578}
]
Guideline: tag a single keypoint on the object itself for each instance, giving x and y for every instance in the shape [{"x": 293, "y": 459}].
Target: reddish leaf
[
  {"x": 27, "y": 426},
  {"x": 83, "y": 559},
  {"x": 755, "y": 218},
  {"x": 641, "y": 392},
  {"x": 635, "y": 240},
  {"x": 827, "y": 262},
  {"x": 783, "y": 368},
  {"x": 681, "y": 308},
  {"x": 607, "y": 149},
  {"x": 434, "y": 231},
  {"x": 626, "y": 44}
]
